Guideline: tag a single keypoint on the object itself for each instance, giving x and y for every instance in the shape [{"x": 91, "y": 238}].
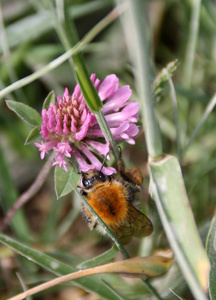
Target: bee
[{"x": 111, "y": 197}]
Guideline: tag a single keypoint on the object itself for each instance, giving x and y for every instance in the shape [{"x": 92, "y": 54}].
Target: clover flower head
[{"x": 71, "y": 129}]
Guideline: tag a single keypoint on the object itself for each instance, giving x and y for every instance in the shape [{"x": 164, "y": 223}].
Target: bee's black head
[{"x": 92, "y": 177}]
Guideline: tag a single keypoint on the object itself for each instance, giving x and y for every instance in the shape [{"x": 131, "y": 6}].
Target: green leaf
[
  {"x": 100, "y": 259},
  {"x": 58, "y": 268},
  {"x": 65, "y": 182},
  {"x": 178, "y": 221},
  {"x": 211, "y": 251},
  {"x": 25, "y": 112},
  {"x": 33, "y": 136},
  {"x": 51, "y": 98}
]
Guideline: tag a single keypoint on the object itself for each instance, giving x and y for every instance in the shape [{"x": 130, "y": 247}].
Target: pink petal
[
  {"x": 83, "y": 165},
  {"x": 84, "y": 128},
  {"x": 51, "y": 123},
  {"x": 44, "y": 132},
  {"x": 108, "y": 86},
  {"x": 93, "y": 159},
  {"x": 108, "y": 170},
  {"x": 59, "y": 161},
  {"x": 93, "y": 77},
  {"x": 64, "y": 148},
  {"x": 66, "y": 93},
  {"x": 118, "y": 130},
  {"x": 101, "y": 148},
  {"x": 73, "y": 124},
  {"x": 127, "y": 113},
  {"x": 95, "y": 162},
  {"x": 65, "y": 125},
  {"x": 117, "y": 100},
  {"x": 130, "y": 141},
  {"x": 58, "y": 128},
  {"x": 133, "y": 130},
  {"x": 45, "y": 147},
  {"x": 76, "y": 92}
]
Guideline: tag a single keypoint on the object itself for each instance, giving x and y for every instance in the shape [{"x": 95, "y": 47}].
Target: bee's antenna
[{"x": 75, "y": 169}]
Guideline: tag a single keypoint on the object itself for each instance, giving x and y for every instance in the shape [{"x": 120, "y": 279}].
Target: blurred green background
[{"x": 29, "y": 41}]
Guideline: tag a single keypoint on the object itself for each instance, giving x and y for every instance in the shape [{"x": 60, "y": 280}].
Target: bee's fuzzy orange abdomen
[{"x": 110, "y": 203}]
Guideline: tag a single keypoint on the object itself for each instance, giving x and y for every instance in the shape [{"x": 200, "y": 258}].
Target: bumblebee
[{"x": 112, "y": 197}]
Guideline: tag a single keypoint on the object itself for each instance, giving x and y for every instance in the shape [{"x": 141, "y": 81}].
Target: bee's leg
[
  {"x": 90, "y": 219},
  {"x": 132, "y": 175}
]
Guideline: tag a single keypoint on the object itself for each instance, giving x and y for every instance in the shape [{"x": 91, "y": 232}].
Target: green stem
[
  {"x": 107, "y": 133},
  {"x": 192, "y": 42},
  {"x": 175, "y": 113},
  {"x": 136, "y": 33}
]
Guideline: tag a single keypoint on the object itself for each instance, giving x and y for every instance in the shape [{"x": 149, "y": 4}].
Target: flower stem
[
  {"x": 192, "y": 41},
  {"x": 107, "y": 133}
]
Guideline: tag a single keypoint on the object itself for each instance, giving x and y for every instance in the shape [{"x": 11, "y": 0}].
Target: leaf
[
  {"x": 58, "y": 268},
  {"x": 211, "y": 251},
  {"x": 100, "y": 259},
  {"x": 25, "y": 112},
  {"x": 138, "y": 266},
  {"x": 33, "y": 136},
  {"x": 65, "y": 182},
  {"x": 133, "y": 267},
  {"x": 51, "y": 98},
  {"x": 178, "y": 221}
]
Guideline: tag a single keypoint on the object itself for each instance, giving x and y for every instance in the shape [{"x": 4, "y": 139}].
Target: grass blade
[{"x": 178, "y": 221}]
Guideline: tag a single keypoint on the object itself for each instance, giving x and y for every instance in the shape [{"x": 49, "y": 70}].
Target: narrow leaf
[
  {"x": 65, "y": 182},
  {"x": 58, "y": 268},
  {"x": 135, "y": 267},
  {"x": 33, "y": 136},
  {"x": 211, "y": 250},
  {"x": 178, "y": 221},
  {"x": 51, "y": 98},
  {"x": 100, "y": 259},
  {"x": 25, "y": 112}
]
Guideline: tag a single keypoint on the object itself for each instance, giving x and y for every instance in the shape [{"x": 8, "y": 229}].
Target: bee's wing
[
  {"x": 135, "y": 224},
  {"x": 141, "y": 225}
]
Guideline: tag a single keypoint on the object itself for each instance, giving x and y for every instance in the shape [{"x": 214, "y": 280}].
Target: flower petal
[
  {"x": 82, "y": 133},
  {"x": 95, "y": 162},
  {"x": 128, "y": 113},
  {"x": 64, "y": 148},
  {"x": 117, "y": 100},
  {"x": 59, "y": 161},
  {"x": 108, "y": 86},
  {"x": 101, "y": 148},
  {"x": 83, "y": 165}
]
